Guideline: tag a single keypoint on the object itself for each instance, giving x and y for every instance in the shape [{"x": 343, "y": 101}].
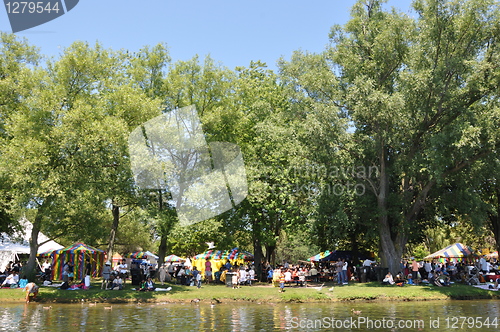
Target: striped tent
[
  {"x": 235, "y": 253},
  {"x": 174, "y": 258},
  {"x": 76, "y": 253},
  {"x": 456, "y": 250},
  {"x": 209, "y": 254}
]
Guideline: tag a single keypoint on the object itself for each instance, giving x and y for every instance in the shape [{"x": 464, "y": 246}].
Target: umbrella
[
  {"x": 319, "y": 256},
  {"x": 141, "y": 255}
]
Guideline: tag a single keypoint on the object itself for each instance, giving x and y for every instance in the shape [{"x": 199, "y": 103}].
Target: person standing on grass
[
  {"x": 314, "y": 274},
  {"x": 235, "y": 277},
  {"x": 208, "y": 271},
  {"x": 414, "y": 270},
  {"x": 251, "y": 275},
  {"x": 281, "y": 281},
  {"x": 162, "y": 273},
  {"x": 344, "y": 272},
  {"x": 197, "y": 277},
  {"x": 338, "y": 266},
  {"x": 106, "y": 274},
  {"x": 123, "y": 270}
]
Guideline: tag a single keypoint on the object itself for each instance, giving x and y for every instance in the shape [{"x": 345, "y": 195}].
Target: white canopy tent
[{"x": 18, "y": 244}]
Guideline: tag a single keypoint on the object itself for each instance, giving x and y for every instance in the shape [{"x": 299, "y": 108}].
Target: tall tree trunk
[
  {"x": 495, "y": 220},
  {"x": 390, "y": 256},
  {"x": 162, "y": 248},
  {"x": 355, "y": 249},
  {"x": 115, "y": 211},
  {"x": 257, "y": 249},
  {"x": 271, "y": 254},
  {"x": 30, "y": 268}
]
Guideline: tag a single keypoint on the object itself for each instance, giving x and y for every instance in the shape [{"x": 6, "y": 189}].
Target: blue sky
[{"x": 232, "y": 32}]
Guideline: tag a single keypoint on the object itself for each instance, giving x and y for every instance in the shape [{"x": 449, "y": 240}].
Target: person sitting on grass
[
  {"x": 31, "y": 291},
  {"x": 442, "y": 279},
  {"x": 388, "y": 280},
  {"x": 410, "y": 279},
  {"x": 399, "y": 277},
  {"x": 148, "y": 285},
  {"x": 12, "y": 280},
  {"x": 495, "y": 285},
  {"x": 117, "y": 283}
]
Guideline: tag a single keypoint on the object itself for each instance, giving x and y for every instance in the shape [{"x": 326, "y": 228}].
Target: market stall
[
  {"x": 77, "y": 253},
  {"x": 456, "y": 252}
]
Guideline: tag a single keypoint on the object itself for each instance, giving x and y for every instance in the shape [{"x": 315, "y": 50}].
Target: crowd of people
[
  {"x": 440, "y": 274},
  {"x": 342, "y": 272},
  {"x": 183, "y": 274}
]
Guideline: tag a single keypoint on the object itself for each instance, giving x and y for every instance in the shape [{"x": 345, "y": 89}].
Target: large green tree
[{"x": 420, "y": 94}]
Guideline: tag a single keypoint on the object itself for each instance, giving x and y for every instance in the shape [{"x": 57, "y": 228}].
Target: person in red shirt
[{"x": 208, "y": 271}]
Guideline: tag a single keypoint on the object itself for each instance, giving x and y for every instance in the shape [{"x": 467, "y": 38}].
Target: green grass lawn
[{"x": 258, "y": 293}]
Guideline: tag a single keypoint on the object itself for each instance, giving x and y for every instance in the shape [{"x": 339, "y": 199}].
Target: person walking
[
  {"x": 162, "y": 274},
  {"x": 344, "y": 272},
  {"x": 106, "y": 274}
]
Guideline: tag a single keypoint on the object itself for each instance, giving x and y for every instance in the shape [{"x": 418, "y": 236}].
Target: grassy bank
[{"x": 257, "y": 293}]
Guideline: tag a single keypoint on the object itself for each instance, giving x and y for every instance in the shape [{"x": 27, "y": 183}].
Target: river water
[{"x": 479, "y": 315}]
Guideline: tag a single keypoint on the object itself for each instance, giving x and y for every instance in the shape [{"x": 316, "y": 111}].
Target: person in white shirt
[
  {"x": 483, "y": 265},
  {"x": 388, "y": 280},
  {"x": 123, "y": 269},
  {"x": 288, "y": 277},
  {"x": 428, "y": 267},
  {"x": 12, "y": 280},
  {"x": 368, "y": 262},
  {"x": 46, "y": 266},
  {"x": 344, "y": 272},
  {"x": 243, "y": 276},
  {"x": 251, "y": 276}
]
